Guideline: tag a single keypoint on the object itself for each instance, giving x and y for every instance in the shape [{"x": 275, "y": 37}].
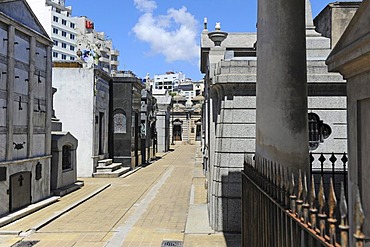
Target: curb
[{"x": 27, "y": 211}]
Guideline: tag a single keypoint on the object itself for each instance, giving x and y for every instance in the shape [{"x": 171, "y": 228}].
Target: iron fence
[{"x": 280, "y": 210}]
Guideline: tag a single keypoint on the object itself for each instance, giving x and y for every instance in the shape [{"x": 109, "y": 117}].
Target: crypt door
[
  {"x": 20, "y": 190},
  {"x": 177, "y": 132}
]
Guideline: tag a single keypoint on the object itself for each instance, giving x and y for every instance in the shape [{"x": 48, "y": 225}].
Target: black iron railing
[{"x": 280, "y": 210}]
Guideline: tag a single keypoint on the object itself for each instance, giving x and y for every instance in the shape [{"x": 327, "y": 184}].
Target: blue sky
[{"x": 155, "y": 36}]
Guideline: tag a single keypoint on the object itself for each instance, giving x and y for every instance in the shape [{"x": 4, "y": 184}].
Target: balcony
[
  {"x": 114, "y": 52},
  {"x": 104, "y": 60},
  {"x": 115, "y": 63}
]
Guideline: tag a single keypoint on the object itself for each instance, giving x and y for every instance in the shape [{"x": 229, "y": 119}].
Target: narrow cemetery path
[{"x": 165, "y": 201}]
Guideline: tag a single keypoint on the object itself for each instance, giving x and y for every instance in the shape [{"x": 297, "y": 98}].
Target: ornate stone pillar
[{"x": 281, "y": 131}]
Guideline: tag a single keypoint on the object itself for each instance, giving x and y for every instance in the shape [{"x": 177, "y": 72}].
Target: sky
[{"x": 156, "y": 36}]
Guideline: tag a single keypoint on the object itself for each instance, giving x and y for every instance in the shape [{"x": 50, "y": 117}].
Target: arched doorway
[{"x": 177, "y": 130}]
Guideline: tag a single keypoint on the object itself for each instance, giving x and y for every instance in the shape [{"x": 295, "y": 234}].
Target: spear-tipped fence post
[
  {"x": 287, "y": 188},
  {"x": 293, "y": 198},
  {"x": 278, "y": 183},
  {"x": 299, "y": 193},
  {"x": 344, "y": 227},
  {"x": 305, "y": 204},
  {"x": 332, "y": 203},
  {"x": 359, "y": 221},
  {"x": 313, "y": 209},
  {"x": 322, "y": 215}
]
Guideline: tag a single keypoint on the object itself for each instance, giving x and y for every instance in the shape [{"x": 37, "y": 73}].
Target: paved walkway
[{"x": 165, "y": 201}]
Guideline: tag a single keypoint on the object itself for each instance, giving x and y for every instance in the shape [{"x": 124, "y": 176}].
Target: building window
[
  {"x": 38, "y": 171},
  {"x": 72, "y": 25},
  {"x": 71, "y": 36},
  {"x": 56, "y": 42},
  {"x": 57, "y": 10},
  {"x": 66, "y": 158},
  {"x": 64, "y": 57},
  {"x": 72, "y": 48},
  {"x": 64, "y": 22},
  {"x": 3, "y": 173},
  {"x": 72, "y": 58},
  {"x": 64, "y": 45},
  {"x": 55, "y": 30},
  {"x": 55, "y": 54},
  {"x": 55, "y": 18},
  {"x": 119, "y": 121},
  {"x": 64, "y": 34},
  {"x": 318, "y": 131}
]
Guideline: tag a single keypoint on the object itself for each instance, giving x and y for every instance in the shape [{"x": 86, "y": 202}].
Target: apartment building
[
  {"x": 95, "y": 45},
  {"x": 168, "y": 81},
  {"x": 59, "y": 24},
  {"x": 71, "y": 34}
]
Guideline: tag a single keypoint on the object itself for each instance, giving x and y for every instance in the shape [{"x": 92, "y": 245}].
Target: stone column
[
  {"x": 10, "y": 89},
  {"x": 281, "y": 129},
  {"x": 48, "y": 97},
  {"x": 31, "y": 100}
]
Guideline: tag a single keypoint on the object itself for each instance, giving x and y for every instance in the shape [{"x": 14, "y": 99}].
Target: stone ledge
[{"x": 27, "y": 210}]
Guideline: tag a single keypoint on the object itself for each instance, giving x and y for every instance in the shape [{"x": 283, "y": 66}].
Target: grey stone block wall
[{"x": 232, "y": 84}]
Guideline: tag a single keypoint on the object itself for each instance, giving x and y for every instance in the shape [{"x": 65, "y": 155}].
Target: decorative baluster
[
  {"x": 332, "y": 203},
  {"x": 299, "y": 197},
  {"x": 322, "y": 160},
  {"x": 293, "y": 198},
  {"x": 311, "y": 161},
  {"x": 359, "y": 221},
  {"x": 305, "y": 204},
  {"x": 333, "y": 159},
  {"x": 344, "y": 228},
  {"x": 322, "y": 215},
  {"x": 344, "y": 159},
  {"x": 313, "y": 209}
]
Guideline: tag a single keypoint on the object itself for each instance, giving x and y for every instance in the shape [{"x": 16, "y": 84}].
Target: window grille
[{"x": 66, "y": 158}]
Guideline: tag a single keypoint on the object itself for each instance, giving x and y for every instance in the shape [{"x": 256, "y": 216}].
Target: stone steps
[
  {"x": 107, "y": 169},
  {"x": 111, "y": 174},
  {"x": 105, "y": 162}
]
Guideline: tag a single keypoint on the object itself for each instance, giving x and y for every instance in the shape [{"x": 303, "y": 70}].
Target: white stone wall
[{"x": 81, "y": 95}]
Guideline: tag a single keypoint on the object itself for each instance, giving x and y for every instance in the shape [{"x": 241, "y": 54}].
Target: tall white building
[
  {"x": 58, "y": 22},
  {"x": 72, "y": 33},
  {"x": 169, "y": 81}
]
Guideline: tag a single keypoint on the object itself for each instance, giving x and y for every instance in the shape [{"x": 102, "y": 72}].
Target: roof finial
[{"x": 218, "y": 26}]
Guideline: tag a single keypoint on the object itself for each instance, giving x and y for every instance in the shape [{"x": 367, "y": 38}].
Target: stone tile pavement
[{"x": 163, "y": 201}]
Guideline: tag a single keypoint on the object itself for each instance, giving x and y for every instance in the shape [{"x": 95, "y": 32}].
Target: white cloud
[
  {"x": 145, "y": 5},
  {"x": 173, "y": 35}
]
